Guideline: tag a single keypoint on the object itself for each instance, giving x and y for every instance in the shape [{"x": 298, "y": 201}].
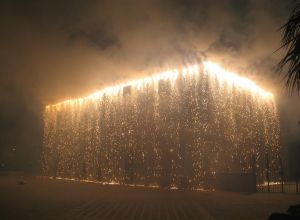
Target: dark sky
[{"x": 52, "y": 50}]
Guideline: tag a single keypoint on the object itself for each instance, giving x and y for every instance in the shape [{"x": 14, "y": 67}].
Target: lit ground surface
[{"x": 58, "y": 199}]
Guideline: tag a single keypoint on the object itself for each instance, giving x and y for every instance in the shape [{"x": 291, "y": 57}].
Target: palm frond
[{"x": 291, "y": 42}]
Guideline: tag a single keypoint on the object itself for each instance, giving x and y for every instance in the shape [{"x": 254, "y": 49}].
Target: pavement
[{"x": 32, "y": 197}]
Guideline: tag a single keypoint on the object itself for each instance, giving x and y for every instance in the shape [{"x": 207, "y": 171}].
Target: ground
[{"x": 42, "y": 198}]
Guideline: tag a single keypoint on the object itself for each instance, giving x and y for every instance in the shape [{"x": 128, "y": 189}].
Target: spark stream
[{"x": 179, "y": 128}]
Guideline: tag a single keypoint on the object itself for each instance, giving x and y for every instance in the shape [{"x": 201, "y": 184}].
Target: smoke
[
  {"x": 71, "y": 48},
  {"x": 53, "y": 50}
]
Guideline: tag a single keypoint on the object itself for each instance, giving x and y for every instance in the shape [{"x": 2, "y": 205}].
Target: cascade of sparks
[{"x": 179, "y": 128}]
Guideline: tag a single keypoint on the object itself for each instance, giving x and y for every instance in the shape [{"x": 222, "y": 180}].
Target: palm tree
[{"x": 291, "y": 42}]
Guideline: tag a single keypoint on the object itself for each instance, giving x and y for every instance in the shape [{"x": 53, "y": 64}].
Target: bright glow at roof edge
[{"x": 209, "y": 68}]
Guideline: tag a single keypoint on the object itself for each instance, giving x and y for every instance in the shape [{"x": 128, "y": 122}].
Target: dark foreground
[{"x": 42, "y": 198}]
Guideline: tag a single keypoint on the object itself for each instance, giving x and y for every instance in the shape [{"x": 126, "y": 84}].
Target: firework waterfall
[{"x": 178, "y": 128}]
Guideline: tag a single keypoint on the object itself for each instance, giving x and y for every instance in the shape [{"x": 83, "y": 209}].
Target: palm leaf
[{"x": 291, "y": 42}]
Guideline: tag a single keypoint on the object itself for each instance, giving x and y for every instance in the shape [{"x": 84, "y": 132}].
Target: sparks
[
  {"x": 172, "y": 129},
  {"x": 235, "y": 79},
  {"x": 208, "y": 66}
]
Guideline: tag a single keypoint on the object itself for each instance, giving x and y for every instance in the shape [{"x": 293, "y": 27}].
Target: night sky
[{"x": 53, "y": 50}]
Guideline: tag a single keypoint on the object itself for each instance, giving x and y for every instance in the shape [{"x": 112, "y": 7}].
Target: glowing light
[
  {"x": 136, "y": 140},
  {"x": 234, "y": 79},
  {"x": 209, "y": 67},
  {"x": 270, "y": 183}
]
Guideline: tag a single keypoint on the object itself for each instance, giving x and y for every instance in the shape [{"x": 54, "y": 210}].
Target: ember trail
[{"x": 179, "y": 128}]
